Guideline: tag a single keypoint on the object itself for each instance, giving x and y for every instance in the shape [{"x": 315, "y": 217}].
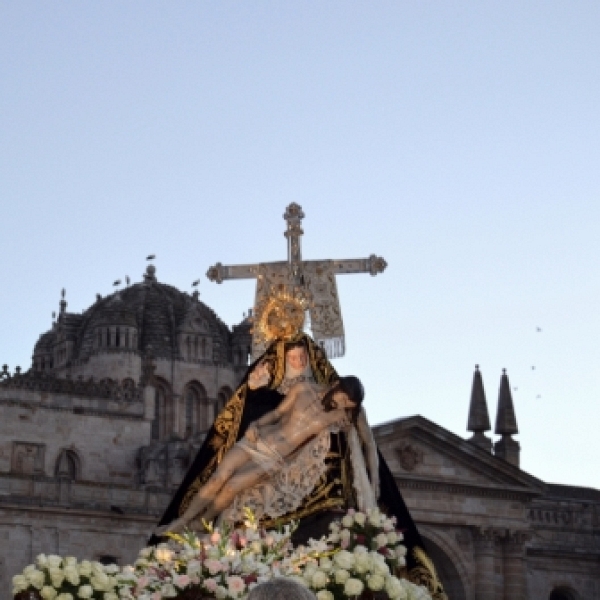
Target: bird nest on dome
[{"x": 280, "y": 316}]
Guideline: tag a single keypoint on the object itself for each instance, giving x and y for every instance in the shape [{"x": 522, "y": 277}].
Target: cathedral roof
[{"x": 157, "y": 311}]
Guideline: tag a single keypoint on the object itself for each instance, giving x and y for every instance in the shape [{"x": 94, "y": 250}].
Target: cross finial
[{"x": 294, "y": 215}]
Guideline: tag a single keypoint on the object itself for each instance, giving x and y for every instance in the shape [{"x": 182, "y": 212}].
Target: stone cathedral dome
[{"x": 147, "y": 318}]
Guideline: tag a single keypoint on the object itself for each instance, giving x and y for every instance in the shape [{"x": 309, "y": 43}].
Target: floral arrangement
[
  {"x": 360, "y": 558},
  {"x": 365, "y": 557},
  {"x": 56, "y": 578}
]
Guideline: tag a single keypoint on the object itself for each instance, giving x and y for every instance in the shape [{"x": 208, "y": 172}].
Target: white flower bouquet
[
  {"x": 363, "y": 557},
  {"x": 55, "y": 578},
  {"x": 360, "y": 558},
  {"x": 221, "y": 564}
]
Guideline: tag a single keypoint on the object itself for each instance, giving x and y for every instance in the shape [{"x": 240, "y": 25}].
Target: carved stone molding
[
  {"x": 409, "y": 456},
  {"x": 27, "y": 458}
]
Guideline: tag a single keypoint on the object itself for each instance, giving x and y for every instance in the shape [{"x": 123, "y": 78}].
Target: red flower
[
  {"x": 361, "y": 538},
  {"x": 248, "y": 579},
  {"x": 383, "y": 550}
]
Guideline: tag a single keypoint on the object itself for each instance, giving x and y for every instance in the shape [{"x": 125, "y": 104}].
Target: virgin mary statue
[{"x": 327, "y": 476}]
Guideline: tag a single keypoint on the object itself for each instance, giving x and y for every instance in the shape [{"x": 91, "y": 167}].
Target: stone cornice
[
  {"x": 564, "y": 553},
  {"x": 73, "y": 512},
  {"x": 467, "y": 489},
  {"x": 78, "y": 410}
]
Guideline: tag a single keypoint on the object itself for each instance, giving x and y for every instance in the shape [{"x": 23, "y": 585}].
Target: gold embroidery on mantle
[{"x": 425, "y": 574}]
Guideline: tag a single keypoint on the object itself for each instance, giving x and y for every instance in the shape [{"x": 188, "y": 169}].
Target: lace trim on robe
[{"x": 285, "y": 490}]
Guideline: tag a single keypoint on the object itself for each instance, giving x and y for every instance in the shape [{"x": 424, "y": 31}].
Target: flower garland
[{"x": 360, "y": 557}]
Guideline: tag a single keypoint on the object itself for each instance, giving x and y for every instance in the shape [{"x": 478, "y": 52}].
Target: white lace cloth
[{"x": 285, "y": 489}]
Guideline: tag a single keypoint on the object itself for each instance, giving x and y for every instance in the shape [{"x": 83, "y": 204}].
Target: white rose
[
  {"x": 376, "y": 582},
  {"x": 36, "y": 578},
  {"x": 70, "y": 561},
  {"x": 111, "y": 569},
  {"x": 41, "y": 560},
  {"x": 341, "y": 576},
  {"x": 65, "y": 596},
  {"x": 325, "y": 564},
  {"x": 57, "y": 576},
  {"x": 72, "y": 575},
  {"x": 85, "y": 568},
  {"x": 400, "y": 551},
  {"x": 345, "y": 534},
  {"x": 334, "y": 538},
  {"x": 360, "y": 518},
  {"x": 85, "y": 591},
  {"x": 193, "y": 567},
  {"x": 100, "y": 581},
  {"x": 375, "y": 517},
  {"x": 380, "y": 567},
  {"x": 319, "y": 580},
  {"x": 392, "y": 537},
  {"x": 395, "y": 589},
  {"x": 54, "y": 561},
  {"x": 48, "y": 593},
  {"x": 348, "y": 521},
  {"x": 362, "y": 563},
  {"x": 110, "y": 596},
  {"x": 353, "y": 587},
  {"x": 146, "y": 552},
  {"x": 168, "y": 591},
  {"x": 325, "y": 595},
  {"x": 256, "y": 547},
  {"x": 344, "y": 559},
  {"x": 388, "y": 525},
  {"x": 381, "y": 540},
  {"x": 20, "y": 583}
]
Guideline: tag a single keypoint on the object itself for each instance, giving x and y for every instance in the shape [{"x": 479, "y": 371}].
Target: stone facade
[
  {"x": 97, "y": 435},
  {"x": 493, "y": 530}
]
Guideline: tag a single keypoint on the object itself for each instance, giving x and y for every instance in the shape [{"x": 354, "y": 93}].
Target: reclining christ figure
[{"x": 307, "y": 410}]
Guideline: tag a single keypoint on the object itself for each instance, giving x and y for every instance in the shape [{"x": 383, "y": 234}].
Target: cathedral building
[{"x": 97, "y": 435}]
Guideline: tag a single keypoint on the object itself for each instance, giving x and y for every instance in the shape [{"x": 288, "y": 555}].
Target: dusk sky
[{"x": 459, "y": 140}]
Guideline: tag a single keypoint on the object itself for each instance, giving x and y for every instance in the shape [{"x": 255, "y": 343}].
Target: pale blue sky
[{"x": 460, "y": 140}]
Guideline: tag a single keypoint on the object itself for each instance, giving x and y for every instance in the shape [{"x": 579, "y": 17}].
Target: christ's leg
[
  {"x": 235, "y": 459},
  {"x": 246, "y": 477}
]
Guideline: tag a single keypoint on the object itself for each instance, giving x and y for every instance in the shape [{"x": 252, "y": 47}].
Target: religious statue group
[{"x": 293, "y": 442}]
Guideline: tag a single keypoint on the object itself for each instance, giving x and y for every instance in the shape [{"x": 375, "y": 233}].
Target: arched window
[
  {"x": 67, "y": 465},
  {"x": 563, "y": 593},
  {"x": 203, "y": 347},
  {"x": 162, "y": 426},
  {"x": 127, "y": 338},
  {"x": 99, "y": 338},
  {"x": 118, "y": 338},
  {"x": 107, "y": 336},
  {"x": 196, "y": 347},
  {"x": 447, "y": 570},
  {"x": 196, "y": 418}
]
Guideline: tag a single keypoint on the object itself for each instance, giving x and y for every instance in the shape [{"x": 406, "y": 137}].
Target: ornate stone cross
[{"x": 309, "y": 282}]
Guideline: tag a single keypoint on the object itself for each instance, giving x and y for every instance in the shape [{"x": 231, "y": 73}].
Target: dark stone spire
[
  {"x": 506, "y": 421},
  {"x": 479, "y": 419},
  {"x": 506, "y": 425}
]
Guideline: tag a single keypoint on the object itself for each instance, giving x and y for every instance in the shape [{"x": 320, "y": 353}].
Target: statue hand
[{"x": 251, "y": 433}]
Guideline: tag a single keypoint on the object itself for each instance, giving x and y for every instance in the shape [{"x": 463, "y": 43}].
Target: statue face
[
  {"x": 297, "y": 358},
  {"x": 341, "y": 400}
]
